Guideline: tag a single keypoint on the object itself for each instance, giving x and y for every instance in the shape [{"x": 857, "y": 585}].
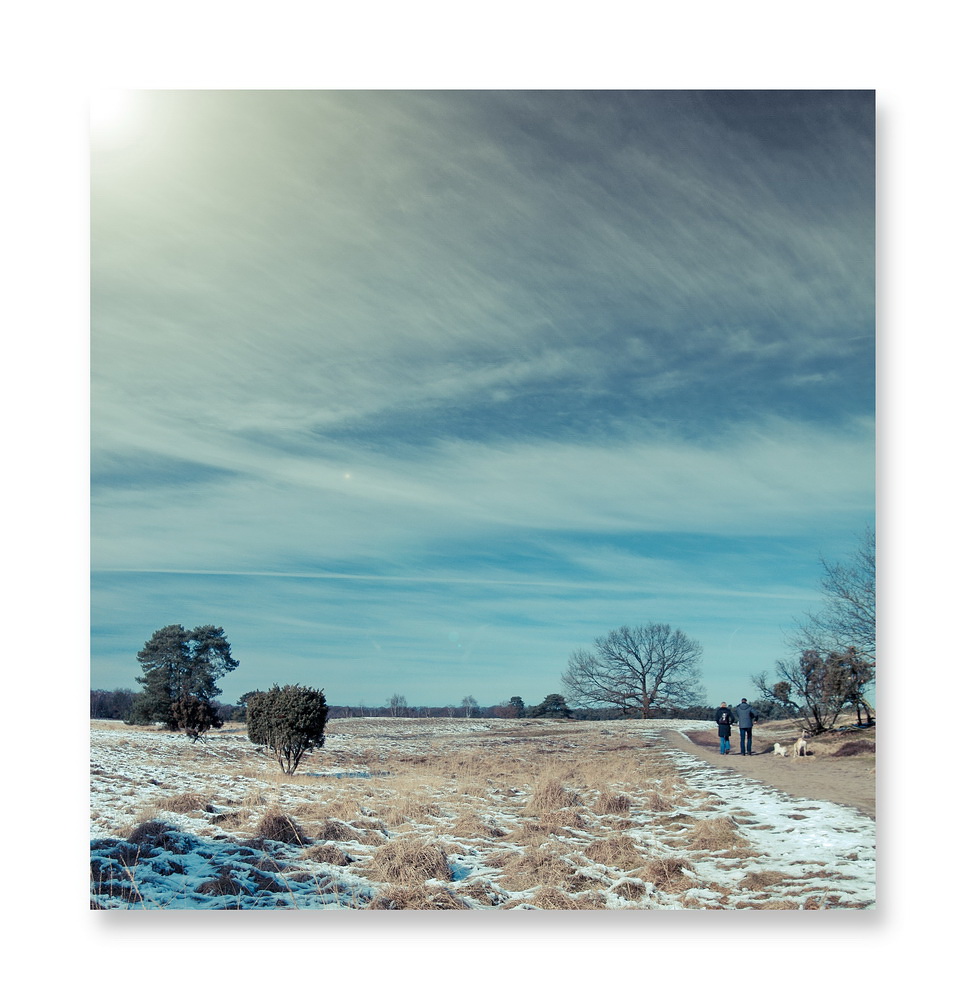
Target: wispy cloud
[{"x": 423, "y": 339}]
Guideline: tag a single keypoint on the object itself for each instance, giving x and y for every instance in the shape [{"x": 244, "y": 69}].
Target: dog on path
[
  {"x": 801, "y": 747},
  {"x": 780, "y": 751}
]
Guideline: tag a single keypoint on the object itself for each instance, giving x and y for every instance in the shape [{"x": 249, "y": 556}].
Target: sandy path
[{"x": 848, "y": 781}]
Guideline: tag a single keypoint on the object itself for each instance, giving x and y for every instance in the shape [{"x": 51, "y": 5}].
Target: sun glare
[{"x": 108, "y": 109}]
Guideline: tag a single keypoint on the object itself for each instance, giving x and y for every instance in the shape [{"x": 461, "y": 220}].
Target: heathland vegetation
[{"x": 463, "y": 814}]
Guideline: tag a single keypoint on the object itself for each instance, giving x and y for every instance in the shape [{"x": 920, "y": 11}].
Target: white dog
[
  {"x": 801, "y": 747},
  {"x": 780, "y": 751}
]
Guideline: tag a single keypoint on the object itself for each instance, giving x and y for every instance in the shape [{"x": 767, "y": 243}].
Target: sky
[{"x": 418, "y": 392}]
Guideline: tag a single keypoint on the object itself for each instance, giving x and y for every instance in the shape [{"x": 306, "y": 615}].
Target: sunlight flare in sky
[{"x": 109, "y": 109}]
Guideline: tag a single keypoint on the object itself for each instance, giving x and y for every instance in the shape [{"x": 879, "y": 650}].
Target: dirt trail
[{"x": 848, "y": 781}]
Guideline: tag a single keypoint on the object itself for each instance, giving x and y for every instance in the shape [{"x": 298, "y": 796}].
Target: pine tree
[{"x": 178, "y": 664}]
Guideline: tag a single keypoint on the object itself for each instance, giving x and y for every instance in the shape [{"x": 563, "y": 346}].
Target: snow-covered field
[{"x": 459, "y": 814}]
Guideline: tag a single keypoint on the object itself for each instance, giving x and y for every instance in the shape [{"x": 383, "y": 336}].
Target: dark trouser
[{"x": 745, "y": 739}]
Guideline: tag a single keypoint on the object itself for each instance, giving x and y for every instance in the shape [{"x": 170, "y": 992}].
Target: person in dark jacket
[
  {"x": 724, "y": 718},
  {"x": 745, "y": 720}
]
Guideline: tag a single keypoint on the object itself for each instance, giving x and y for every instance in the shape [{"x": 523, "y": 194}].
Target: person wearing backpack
[
  {"x": 745, "y": 720},
  {"x": 724, "y": 718}
]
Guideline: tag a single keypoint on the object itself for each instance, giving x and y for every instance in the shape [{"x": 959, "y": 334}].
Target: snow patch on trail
[{"x": 793, "y": 831}]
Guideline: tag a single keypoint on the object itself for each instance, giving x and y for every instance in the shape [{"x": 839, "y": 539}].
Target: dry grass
[
  {"x": 668, "y": 874},
  {"x": 328, "y": 854},
  {"x": 762, "y": 879},
  {"x": 717, "y": 834},
  {"x": 540, "y": 867},
  {"x": 410, "y": 808},
  {"x": 548, "y": 898},
  {"x": 417, "y": 897},
  {"x": 613, "y": 803},
  {"x": 534, "y": 834},
  {"x": 630, "y": 888},
  {"x": 483, "y": 892},
  {"x": 334, "y": 829},
  {"x": 369, "y": 830},
  {"x": 409, "y": 861},
  {"x": 549, "y": 796},
  {"x": 663, "y": 798},
  {"x": 278, "y": 826},
  {"x": 474, "y": 827},
  {"x": 574, "y": 817},
  {"x": 149, "y": 832},
  {"x": 186, "y": 802},
  {"x": 223, "y": 885},
  {"x": 502, "y": 859},
  {"x": 254, "y": 799},
  {"x": 619, "y": 852}
]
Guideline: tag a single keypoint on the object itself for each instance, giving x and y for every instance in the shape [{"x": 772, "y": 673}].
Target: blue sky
[{"x": 418, "y": 392}]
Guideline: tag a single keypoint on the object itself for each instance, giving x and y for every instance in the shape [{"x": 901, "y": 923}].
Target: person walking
[
  {"x": 745, "y": 721},
  {"x": 724, "y": 718}
]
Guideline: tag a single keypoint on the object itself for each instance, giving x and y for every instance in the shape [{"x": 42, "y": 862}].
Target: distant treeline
[
  {"x": 502, "y": 712},
  {"x": 117, "y": 705}
]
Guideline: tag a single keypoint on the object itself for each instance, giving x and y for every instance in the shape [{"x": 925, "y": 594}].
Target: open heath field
[{"x": 468, "y": 814}]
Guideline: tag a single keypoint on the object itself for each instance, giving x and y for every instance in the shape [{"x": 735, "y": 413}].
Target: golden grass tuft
[
  {"x": 254, "y": 799},
  {"x": 410, "y": 809},
  {"x": 612, "y": 803},
  {"x": 417, "y": 897},
  {"x": 232, "y": 820},
  {"x": 717, "y": 834},
  {"x": 676, "y": 821},
  {"x": 476, "y": 827},
  {"x": 328, "y": 854},
  {"x": 571, "y": 818},
  {"x": 549, "y": 898},
  {"x": 278, "y": 826},
  {"x": 500, "y": 859},
  {"x": 541, "y": 866},
  {"x": 632, "y": 889},
  {"x": 367, "y": 830},
  {"x": 550, "y": 796},
  {"x": 620, "y": 852},
  {"x": 762, "y": 879},
  {"x": 334, "y": 829},
  {"x": 409, "y": 861},
  {"x": 535, "y": 834},
  {"x": 658, "y": 801},
  {"x": 483, "y": 892},
  {"x": 223, "y": 885},
  {"x": 668, "y": 875},
  {"x": 186, "y": 802}
]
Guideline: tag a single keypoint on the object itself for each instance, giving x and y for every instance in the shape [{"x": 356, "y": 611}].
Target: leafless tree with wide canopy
[{"x": 636, "y": 669}]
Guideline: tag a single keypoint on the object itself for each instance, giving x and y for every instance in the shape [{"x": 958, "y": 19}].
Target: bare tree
[
  {"x": 826, "y": 683},
  {"x": 470, "y": 705},
  {"x": 397, "y": 705},
  {"x": 847, "y": 617},
  {"x": 778, "y": 694},
  {"x": 636, "y": 669},
  {"x": 841, "y": 634}
]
